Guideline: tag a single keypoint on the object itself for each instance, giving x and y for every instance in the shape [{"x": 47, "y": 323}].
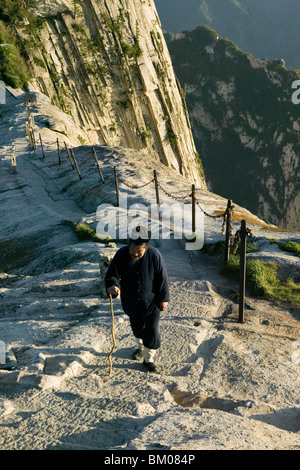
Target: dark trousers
[{"x": 144, "y": 322}]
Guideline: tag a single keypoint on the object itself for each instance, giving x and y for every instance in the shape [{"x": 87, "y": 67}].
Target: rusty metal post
[
  {"x": 69, "y": 156},
  {"x": 32, "y": 138},
  {"x": 228, "y": 230},
  {"x": 58, "y": 152},
  {"x": 156, "y": 187},
  {"x": 157, "y": 194},
  {"x": 242, "y": 271},
  {"x": 98, "y": 165},
  {"x": 42, "y": 147},
  {"x": 75, "y": 163},
  {"x": 117, "y": 186},
  {"x": 193, "y": 209}
]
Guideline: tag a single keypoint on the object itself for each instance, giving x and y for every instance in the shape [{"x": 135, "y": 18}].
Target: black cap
[{"x": 139, "y": 236}]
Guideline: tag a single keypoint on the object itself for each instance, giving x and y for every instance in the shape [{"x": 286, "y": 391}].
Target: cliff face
[
  {"x": 107, "y": 64},
  {"x": 245, "y": 123}
]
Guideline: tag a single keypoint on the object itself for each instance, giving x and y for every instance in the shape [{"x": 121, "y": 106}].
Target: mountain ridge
[
  {"x": 263, "y": 28},
  {"x": 245, "y": 123}
]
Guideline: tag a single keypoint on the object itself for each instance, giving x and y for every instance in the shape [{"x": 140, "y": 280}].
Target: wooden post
[
  {"x": 193, "y": 209},
  {"x": 113, "y": 335},
  {"x": 69, "y": 156},
  {"x": 117, "y": 186},
  {"x": 41, "y": 142},
  {"x": 75, "y": 163},
  {"x": 98, "y": 165},
  {"x": 58, "y": 152},
  {"x": 228, "y": 229},
  {"x": 242, "y": 271}
]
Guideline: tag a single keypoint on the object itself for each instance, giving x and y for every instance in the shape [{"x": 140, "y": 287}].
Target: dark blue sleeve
[
  {"x": 161, "y": 280},
  {"x": 112, "y": 277}
]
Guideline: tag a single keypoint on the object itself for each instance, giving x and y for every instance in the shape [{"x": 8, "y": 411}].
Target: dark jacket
[{"x": 146, "y": 281}]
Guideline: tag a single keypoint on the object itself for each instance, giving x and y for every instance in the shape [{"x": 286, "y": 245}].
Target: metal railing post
[
  {"x": 242, "y": 271},
  {"x": 228, "y": 230}
]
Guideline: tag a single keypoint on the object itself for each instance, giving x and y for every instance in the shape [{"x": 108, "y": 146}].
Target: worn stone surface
[{"x": 221, "y": 384}]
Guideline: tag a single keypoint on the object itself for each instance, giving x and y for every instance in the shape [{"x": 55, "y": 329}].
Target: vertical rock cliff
[{"x": 107, "y": 64}]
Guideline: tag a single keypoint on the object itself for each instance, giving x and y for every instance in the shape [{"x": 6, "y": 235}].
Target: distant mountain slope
[
  {"x": 245, "y": 125},
  {"x": 265, "y": 28}
]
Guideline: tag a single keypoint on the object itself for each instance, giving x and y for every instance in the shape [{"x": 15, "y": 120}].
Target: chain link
[
  {"x": 234, "y": 243},
  {"x": 50, "y": 144},
  {"x": 171, "y": 195},
  {"x": 212, "y": 216},
  {"x": 108, "y": 175},
  {"x": 138, "y": 187},
  {"x": 86, "y": 160},
  {"x": 237, "y": 238}
]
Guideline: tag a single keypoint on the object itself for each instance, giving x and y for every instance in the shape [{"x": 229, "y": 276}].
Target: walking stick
[{"x": 112, "y": 333}]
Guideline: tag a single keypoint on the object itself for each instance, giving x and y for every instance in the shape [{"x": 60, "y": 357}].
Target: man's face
[{"x": 136, "y": 252}]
